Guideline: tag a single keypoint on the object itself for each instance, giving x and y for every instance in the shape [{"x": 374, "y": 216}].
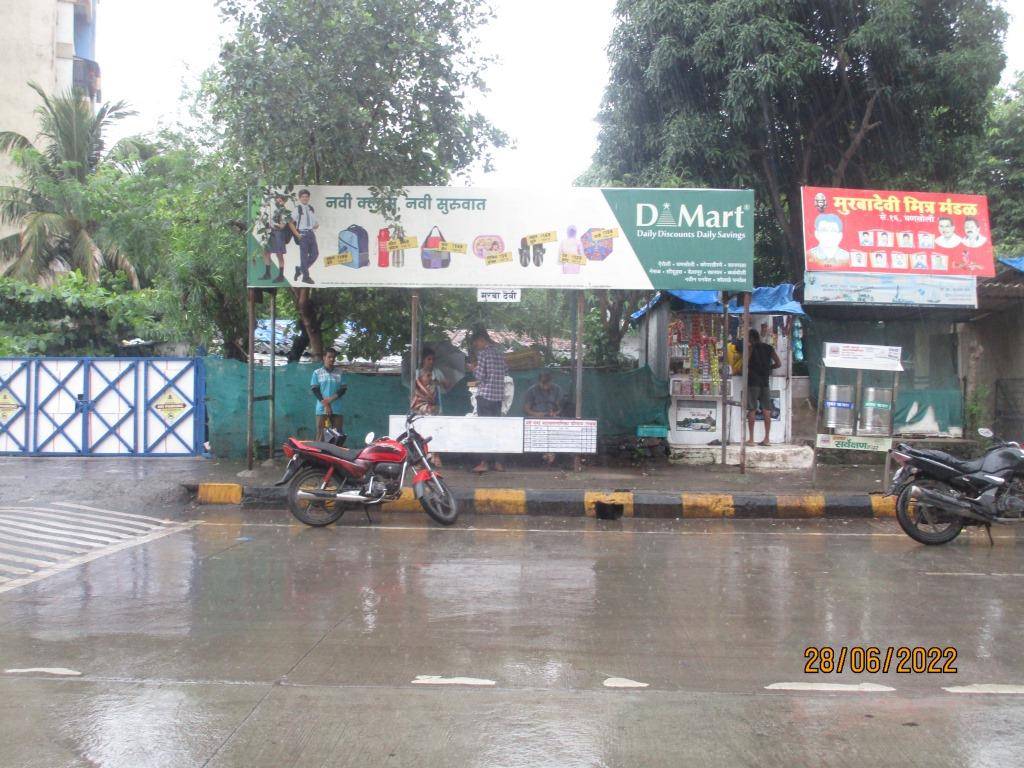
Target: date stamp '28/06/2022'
[{"x": 873, "y": 659}]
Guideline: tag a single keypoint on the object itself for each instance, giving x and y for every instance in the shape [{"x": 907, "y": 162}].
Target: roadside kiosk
[{"x": 851, "y": 416}]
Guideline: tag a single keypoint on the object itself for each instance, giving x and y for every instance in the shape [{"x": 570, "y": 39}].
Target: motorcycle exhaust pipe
[
  {"x": 945, "y": 503},
  {"x": 353, "y": 497}
]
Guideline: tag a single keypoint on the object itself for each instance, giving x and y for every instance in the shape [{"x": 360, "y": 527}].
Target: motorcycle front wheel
[
  {"x": 438, "y": 502},
  {"x": 923, "y": 522},
  {"x": 315, "y": 512}
]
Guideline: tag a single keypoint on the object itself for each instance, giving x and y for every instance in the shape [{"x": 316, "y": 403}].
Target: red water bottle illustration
[{"x": 383, "y": 236}]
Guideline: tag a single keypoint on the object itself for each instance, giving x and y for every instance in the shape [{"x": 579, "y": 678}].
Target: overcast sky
[{"x": 546, "y": 87}]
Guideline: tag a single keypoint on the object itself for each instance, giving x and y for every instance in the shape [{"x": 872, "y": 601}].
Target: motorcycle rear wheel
[
  {"x": 923, "y": 522},
  {"x": 440, "y": 504},
  {"x": 316, "y": 513}
]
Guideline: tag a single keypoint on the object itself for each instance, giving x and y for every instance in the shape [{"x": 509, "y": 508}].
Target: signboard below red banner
[
  {"x": 891, "y": 290},
  {"x": 893, "y": 232}
]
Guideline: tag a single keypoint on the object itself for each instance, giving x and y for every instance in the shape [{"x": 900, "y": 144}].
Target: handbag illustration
[
  {"x": 356, "y": 242},
  {"x": 595, "y": 250},
  {"x": 430, "y": 255}
]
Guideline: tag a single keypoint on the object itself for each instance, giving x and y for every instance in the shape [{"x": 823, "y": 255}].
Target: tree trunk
[
  {"x": 299, "y": 345},
  {"x": 310, "y": 321}
]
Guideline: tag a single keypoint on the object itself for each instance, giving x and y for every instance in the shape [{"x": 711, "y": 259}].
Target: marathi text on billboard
[
  {"x": 486, "y": 238},
  {"x": 891, "y": 232}
]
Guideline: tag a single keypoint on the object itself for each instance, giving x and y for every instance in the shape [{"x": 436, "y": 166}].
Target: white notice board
[
  {"x": 466, "y": 434},
  {"x": 559, "y": 436}
]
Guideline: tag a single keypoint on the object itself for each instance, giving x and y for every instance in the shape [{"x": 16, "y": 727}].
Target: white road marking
[
  {"x": 35, "y": 551},
  {"x": 565, "y": 531},
  {"x": 852, "y": 687},
  {"x": 985, "y": 688},
  {"x": 74, "y": 562},
  {"x": 39, "y": 541},
  {"x": 64, "y": 534},
  {"x": 953, "y": 573},
  {"x": 43, "y": 542},
  {"x": 46, "y": 671},
  {"x": 111, "y": 512},
  {"x": 438, "y": 680},
  {"x": 91, "y": 519},
  {"x": 622, "y": 682},
  {"x": 6, "y": 556},
  {"x": 62, "y": 523},
  {"x": 12, "y": 569}
]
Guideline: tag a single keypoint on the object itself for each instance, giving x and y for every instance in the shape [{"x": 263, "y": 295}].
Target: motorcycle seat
[
  {"x": 342, "y": 453},
  {"x": 965, "y": 466}
]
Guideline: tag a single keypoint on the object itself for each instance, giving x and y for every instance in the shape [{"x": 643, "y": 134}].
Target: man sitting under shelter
[{"x": 544, "y": 401}]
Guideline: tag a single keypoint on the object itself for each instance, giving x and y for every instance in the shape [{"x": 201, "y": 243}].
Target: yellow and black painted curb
[{"x": 606, "y": 504}]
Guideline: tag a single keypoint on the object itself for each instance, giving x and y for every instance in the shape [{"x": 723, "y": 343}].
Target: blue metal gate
[{"x": 65, "y": 406}]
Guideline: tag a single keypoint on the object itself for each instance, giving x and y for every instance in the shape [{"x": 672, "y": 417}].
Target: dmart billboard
[{"x": 577, "y": 238}]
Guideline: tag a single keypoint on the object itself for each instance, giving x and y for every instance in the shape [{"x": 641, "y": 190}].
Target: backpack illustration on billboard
[
  {"x": 356, "y": 242},
  {"x": 431, "y": 257},
  {"x": 595, "y": 250}
]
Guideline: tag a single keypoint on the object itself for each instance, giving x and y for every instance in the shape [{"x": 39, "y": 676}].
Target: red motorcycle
[{"x": 324, "y": 478}]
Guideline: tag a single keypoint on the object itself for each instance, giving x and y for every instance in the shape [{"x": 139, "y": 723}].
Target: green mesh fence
[{"x": 619, "y": 401}]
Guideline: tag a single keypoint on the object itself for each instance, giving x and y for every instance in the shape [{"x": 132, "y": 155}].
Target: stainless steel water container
[
  {"x": 875, "y": 410},
  {"x": 839, "y": 407}
]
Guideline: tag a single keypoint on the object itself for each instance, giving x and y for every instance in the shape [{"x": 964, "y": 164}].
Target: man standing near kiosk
[
  {"x": 489, "y": 370},
  {"x": 762, "y": 361}
]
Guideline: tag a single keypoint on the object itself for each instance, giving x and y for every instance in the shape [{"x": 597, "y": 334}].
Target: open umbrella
[{"x": 448, "y": 359}]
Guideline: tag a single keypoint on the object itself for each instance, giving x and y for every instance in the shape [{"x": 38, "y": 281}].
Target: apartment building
[{"x": 49, "y": 42}]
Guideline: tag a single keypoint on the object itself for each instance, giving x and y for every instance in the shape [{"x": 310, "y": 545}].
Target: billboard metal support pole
[
  {"x": 745, "y": 336},
  {"x": 271, "y": 425},
  {"x": 892, "y": 428},
  {"x": 414, "y": 344},
  {"x": 817, "y": 421},
  {"x": 251, "y": 382},
  {"x": 721, "y": 375},
  {"x": 581, "y": 298}
]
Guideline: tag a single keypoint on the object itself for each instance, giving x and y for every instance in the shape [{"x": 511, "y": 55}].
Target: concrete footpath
[{"x": 655, "y": 490}]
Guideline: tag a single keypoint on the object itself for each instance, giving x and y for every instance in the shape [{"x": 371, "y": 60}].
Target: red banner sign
[{"x": 887, "y": 232}]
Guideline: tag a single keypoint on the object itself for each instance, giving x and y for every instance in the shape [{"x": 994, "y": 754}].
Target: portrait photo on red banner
[{"x": 896, "y": 232}]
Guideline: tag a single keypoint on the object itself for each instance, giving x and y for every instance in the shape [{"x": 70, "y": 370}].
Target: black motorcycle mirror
[{"x": 987, "y": 433}]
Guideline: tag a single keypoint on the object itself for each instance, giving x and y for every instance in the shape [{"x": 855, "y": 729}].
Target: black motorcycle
[{"x": 938, "y": 494}]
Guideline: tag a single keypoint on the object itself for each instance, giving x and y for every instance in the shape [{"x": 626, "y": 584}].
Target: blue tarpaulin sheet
[
  {"x": 769, "y": 300},
  {"x": 1017, "y": 262}
]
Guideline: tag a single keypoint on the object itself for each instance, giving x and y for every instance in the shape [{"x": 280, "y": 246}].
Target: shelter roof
[{"x": 767, "y": 300}]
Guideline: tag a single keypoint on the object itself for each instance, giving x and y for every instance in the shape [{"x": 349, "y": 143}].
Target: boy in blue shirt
[{"x": 327, "y": 386}]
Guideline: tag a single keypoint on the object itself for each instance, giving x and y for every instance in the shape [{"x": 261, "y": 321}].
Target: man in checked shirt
[{"x": 489, "y": 371}]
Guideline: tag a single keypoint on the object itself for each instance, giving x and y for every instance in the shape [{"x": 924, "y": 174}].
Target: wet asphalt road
[{"x": 247, "y": 641}]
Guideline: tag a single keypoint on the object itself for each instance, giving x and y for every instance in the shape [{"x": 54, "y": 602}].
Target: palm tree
[{"x": 56, "y": 230}]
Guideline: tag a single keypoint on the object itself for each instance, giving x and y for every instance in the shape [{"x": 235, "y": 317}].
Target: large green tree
[
  {"x": 367, "y": 92},
  {"x": 775, "y": 95},
  {"x": 998, "y": 169},
  {"x": 55, "y": 210}
]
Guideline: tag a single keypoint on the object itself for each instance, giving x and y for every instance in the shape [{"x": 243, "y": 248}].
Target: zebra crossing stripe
[
  {"x": 4, "y": 547},
  {"x": 80, "y": 538},
  {"x": 80, "y": 531},
  {"x": 15, "y": 571},
  {"x": 43, "y": 542},
  {"x": 60, "y": 520},
  {"x": 8, "y": 558},
  {"x": 88, "y": 520},
  {"x": 110, "y": 512}
]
